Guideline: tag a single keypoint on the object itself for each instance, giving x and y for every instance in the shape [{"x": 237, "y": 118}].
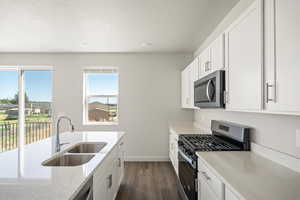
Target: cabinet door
[
  {"x": 193, "y": 77},
  {"x": 204, "y": 63},
  {"x": 188, "y": 76},
  {"x": 185, "y": 88},
  {"x": 206, "y": 192},
  {"x": 282, "y": 52},
  {"x": 101, "y": 191},
  {"x": 217, "y": 53},
  {"x": 175, "y": 154},
  {"x": 121, "y": 161},
  {"x": 244, "y": 60},
  {"x": 103, "y": 186},
  {"x": 116, "y": 173},
  {"x": 170, "y": 147},
  {"x": 174, "y": 151}
]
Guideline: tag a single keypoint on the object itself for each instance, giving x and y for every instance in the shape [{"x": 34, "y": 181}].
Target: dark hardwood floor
[{"x": 148, "y": 181}]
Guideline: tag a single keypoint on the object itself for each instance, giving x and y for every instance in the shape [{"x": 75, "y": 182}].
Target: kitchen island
[{"x": 22, "y": 175}]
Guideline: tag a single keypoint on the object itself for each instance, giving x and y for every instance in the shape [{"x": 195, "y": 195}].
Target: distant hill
[{"x": 100, "y": 106}]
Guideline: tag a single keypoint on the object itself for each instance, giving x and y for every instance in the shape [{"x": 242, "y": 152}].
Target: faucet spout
[{"x": 58, "y": 144}]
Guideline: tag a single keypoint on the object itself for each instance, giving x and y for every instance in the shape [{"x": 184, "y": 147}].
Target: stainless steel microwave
[{"x": 209, "y": 90}]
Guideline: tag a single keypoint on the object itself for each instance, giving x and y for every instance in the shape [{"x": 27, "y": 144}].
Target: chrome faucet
[{"x": 58, "y": 144}]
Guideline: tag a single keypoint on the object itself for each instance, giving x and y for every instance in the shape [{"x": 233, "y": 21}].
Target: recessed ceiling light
[{"x": 146, "y": 44}]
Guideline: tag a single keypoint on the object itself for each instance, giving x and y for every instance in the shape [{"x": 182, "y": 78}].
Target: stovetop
[{"x": 206, "y": 142}]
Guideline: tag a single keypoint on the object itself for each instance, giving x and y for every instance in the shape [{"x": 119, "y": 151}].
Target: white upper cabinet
[
  {"x": 194, "y": 77},
  {"x": 217, "y": 53},
  {"x": 185, "y": 88},
  {"x": 244, "y": 60},
  {"x": 188, "y": 76},
  {"x": 204, "y": 63},
  {"x": 282, "y": 56},
  {"x": 212, "y": 58}
]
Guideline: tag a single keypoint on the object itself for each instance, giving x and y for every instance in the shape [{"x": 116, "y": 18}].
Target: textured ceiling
[{"x": 108, "y": 26}]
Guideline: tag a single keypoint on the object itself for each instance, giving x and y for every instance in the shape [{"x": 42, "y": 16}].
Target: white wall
[
  {"x": 149, "y": 94},
  {"x": 274, "y": 131}
]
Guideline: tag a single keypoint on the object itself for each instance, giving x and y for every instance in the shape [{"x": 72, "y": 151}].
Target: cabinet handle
[
  {"x": 225, "y": 95},
  {"x": 90, "y": 195},
  {"x": 207, "y": 66},
  {"x": 268, "y": 99},
  {"x": 205, "y": 175},
  {"x": 109, "y": 180},
  {"x": 119, "y": 159}
]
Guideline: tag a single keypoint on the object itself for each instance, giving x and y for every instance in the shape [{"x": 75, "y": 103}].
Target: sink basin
[
  {"x": 88, "y": 147},
  {"x": 69, "y": 160}
]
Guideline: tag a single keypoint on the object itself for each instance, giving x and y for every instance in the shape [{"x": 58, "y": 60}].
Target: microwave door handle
[{"x": 207, "y": 90}]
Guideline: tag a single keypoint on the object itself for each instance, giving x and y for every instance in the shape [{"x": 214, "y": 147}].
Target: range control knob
[{"x": 188, "y": 152}]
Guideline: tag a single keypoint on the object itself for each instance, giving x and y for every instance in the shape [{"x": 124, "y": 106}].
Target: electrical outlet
[{"x": 298, "y": 138}]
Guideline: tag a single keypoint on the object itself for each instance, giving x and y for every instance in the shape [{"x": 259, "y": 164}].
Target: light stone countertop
[
  {"x": 252, "y": 176},
  {"x": 184, "y": 127},
  {"x": 22, "y": 175}
]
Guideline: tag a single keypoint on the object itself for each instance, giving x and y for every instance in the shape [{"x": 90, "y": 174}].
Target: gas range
[{"x": 225, "y": 136}]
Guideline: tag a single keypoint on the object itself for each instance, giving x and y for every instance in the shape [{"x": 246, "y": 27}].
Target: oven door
[
  {"x": 187, "y": 171},
  {"x": 209, "y": 90}
]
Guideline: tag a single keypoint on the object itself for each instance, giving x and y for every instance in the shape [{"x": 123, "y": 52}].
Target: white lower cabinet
[
  {"x": 206, "y": 192},
  {"x": 210, "y": 187},
  {"x": 107, "y": 177},
  {"x": 103, "y": 186},
  {"x": 173, "y": 151}
]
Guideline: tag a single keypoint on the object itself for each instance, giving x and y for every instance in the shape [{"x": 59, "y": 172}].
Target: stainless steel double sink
[{"x": 76, "y": 155}]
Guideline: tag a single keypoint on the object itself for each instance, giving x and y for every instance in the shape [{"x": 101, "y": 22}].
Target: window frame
[
  {"x": 20, "y": 69},
  {"x": 98, "y": 70}
]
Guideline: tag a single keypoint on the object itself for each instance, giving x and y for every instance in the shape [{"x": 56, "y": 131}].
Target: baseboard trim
[
  {"x": 146, "y": 159},
  {"x": 281, "y": 158}
]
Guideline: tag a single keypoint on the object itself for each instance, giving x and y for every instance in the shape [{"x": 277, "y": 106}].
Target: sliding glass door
[
  {"x": 25, "y": 106},
  {"x": 9, "y": 109}
]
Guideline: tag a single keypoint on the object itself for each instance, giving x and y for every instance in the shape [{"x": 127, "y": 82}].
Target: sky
[
  {"x": 103, "y": 84},
  {"x": 38, "y": 84}
]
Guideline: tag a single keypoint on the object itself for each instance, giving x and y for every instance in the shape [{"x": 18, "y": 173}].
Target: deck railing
[{"x": 34, "y": 131}]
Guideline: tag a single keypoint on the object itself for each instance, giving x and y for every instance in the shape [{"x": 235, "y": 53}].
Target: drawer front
[{"x": 212, "y": 181}]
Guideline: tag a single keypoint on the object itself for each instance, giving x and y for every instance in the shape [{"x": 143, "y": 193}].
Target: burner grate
[{"x": 208, "y": 143}]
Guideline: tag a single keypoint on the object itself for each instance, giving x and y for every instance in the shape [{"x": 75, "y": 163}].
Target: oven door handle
[
  {"x": 185, "y": 157},
  {"x": 207, "y": 90}
]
